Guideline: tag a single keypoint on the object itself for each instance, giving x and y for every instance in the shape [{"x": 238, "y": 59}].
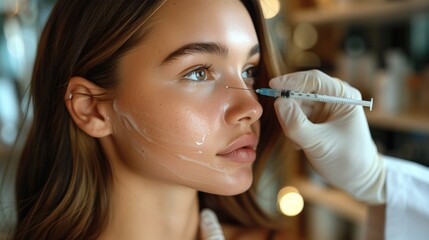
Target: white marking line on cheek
[
  {"x": 133, "y": 124},
  {"x": 149, "y": 156},
  {"x": 139, "y": 148},
  {"x": 217, "y": 168},
  {"x": 175, "y": 172},
  {"x": 199, "y": 143},
  {"x": 142, "y": 131}
]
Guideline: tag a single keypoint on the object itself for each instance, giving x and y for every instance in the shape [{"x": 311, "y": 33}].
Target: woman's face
[{"x": 174, "y": 120}]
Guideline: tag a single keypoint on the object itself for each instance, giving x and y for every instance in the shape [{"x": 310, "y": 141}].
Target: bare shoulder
[{"x": 241, "y": 233}]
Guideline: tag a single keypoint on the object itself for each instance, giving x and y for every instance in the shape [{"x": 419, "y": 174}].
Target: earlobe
[{"x": 86, "y": 109}]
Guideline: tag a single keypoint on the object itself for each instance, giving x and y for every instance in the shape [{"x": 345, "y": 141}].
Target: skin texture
[
  {"x": 176, "y": 125},
  {"x": 173, "y": 128}
]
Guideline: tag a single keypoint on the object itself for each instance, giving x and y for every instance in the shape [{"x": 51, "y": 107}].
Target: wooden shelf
[
  {"x": 337, "y": 201},
  {"x": 359, "y": 11},
  {"x": 410, "y": 122}
]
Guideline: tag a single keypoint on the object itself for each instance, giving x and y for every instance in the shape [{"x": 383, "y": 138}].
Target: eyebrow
[
  {"x": 254, "y": 50},
  {"x": 204, "y": 47}
]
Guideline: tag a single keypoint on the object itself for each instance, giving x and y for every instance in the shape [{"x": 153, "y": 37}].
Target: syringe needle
[{"x": 248, "y": 89}]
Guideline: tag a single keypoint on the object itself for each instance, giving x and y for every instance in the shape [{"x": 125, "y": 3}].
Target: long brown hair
[{"x": 64, "y": 180}]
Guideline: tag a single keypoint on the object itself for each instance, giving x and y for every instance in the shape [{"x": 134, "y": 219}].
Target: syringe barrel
[
  {"x": 312, "y": 97},
  {"x": 329, "y": 99}
]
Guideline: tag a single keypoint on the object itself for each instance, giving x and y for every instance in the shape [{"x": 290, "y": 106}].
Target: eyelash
[
  {"x": 250, "y": 81},
  {"x": 207, "y": 68}
]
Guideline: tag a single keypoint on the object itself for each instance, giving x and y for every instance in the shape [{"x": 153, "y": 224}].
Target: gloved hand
[
  {"x": 210, "y": 226},
  {"x": 334, "y": 137}
]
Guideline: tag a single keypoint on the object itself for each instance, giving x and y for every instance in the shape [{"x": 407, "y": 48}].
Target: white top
[
  {"x": 210, "y": 226},
  {"x": 407, "y": 201}
]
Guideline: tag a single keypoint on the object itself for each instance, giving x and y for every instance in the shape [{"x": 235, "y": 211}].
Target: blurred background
[
  {"x": 380, "y": 47},
  {"x": 21, "y": 22}
]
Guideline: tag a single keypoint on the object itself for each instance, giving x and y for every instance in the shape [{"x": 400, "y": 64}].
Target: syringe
[{"x": 270, "y": 92}]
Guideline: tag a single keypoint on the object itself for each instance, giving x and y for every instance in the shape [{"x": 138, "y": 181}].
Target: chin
[
  {"x": 234, "y": 185},
  {"x": 235, "y": 191}
]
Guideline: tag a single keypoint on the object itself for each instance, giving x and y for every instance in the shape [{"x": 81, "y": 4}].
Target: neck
[{"x": 146, "y": 209}]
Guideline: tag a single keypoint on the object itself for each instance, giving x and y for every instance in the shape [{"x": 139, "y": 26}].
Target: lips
[{"x": 241, "y": 150}]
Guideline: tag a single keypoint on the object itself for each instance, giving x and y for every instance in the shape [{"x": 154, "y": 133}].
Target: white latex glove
[
  {"x": 210, "y": 226},
  {"x": 334, "y": 137}
]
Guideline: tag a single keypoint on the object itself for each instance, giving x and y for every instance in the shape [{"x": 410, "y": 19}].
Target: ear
[{"x": 89, "y": 113}]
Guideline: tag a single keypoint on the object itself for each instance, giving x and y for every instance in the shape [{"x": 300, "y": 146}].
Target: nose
[{"x": 243, "y": 107}]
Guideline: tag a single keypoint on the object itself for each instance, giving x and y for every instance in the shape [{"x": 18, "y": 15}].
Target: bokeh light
[
  {"x": 290, "y": 201},
  {"x": 270, "y": 8},
  {"x": 305, "y": 36}
]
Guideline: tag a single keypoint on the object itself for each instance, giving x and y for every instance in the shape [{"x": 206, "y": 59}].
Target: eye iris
[
  {"x": 249, "y": 73},
  {"x": 200, "y": 74}
]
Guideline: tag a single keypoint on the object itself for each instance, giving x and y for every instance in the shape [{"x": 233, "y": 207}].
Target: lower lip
[{"x": 242, "y": 155}]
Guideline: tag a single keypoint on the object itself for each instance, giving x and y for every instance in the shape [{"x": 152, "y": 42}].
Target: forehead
[{"x": 203, "y": 20}]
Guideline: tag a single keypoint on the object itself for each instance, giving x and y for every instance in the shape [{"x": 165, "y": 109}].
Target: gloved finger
[
  {"x": 307, "y": 107},
  {"x": 311, "y": 81},
  {"x": 295, "y": 124},
  {"x": 210, "y": 226},
  {"x": 298, "y": 128}
]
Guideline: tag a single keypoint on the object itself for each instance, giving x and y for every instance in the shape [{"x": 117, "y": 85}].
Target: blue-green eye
[
  {"x": 249, "y": 72},
  {"x": 201, "y": 73}
]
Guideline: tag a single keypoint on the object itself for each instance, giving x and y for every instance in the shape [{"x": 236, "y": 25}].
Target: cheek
[
  {"x": 178, "y": 130},
  {"x": 177, "y": 140},
  {"x": 178, "y": 145},
  {"x": 181, "y": 123},
  {"x": 161, "y": 131}
]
